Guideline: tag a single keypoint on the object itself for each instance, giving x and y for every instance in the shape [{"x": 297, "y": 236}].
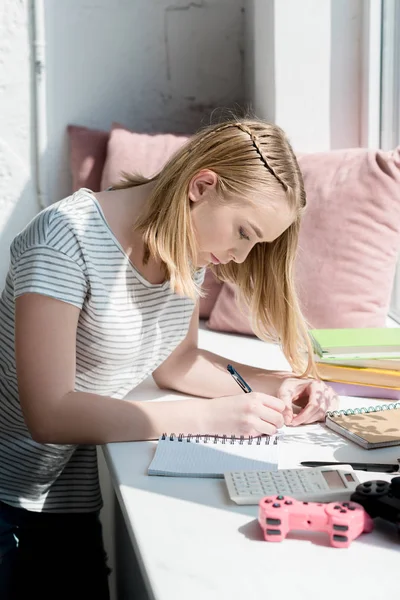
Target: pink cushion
[
  {"x": 212, "y": 287},
  {"x": 349, "y": 242},
  {"x": 137, "y": 153},
  {"x": 87, "y": 155}
]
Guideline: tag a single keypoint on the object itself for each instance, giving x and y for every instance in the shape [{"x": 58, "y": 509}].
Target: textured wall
[
  {"x": 158, "y": 65},
  {"x": 17, "y": 202}
]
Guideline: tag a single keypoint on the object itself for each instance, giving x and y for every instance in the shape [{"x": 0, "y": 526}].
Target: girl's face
[{"x": 228, "y": 230}]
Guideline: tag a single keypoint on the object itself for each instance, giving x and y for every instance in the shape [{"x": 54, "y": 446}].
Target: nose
[{"x": 239, "y": 256}]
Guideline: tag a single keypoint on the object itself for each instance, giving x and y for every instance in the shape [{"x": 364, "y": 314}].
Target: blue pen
[{"x": 239, "y": 379}]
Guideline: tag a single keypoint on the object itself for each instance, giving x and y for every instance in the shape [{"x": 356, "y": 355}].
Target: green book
[{"x": 352, "y": 343}]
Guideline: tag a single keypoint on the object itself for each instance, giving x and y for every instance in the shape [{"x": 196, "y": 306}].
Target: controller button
[
  {"x": 276, "y": 505},
  {"x": 280, "y": 497},
  {"x": 381, "y": 484},
  {"x": 340, "y": 538},
  {"x": 268, "y": 501},
  {"x": 343, "y": 510},
  {"x": 346, "y": 504},
  {"x": 288, "y": 502},
  {"x": 352, "y": 508},
  {"x": 273, "y": 532},
  {"x": 366, "y": 490},
  {"x": 341, "y": 527},
  {"x": 305, "y": 502},
  {"x": 368, "y": 484},
  {"x": 273, "y": 521},
  {"x": 336, "y": 507}
]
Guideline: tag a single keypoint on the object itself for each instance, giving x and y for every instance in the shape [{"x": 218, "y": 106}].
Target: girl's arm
[
  {"x": 45, "y": 345},
  {"x": 45, "y": 337},
  {"x": 193, "y": 371}
]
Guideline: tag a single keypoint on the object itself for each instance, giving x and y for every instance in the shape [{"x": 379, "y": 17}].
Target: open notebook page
[{"x": 197, "y": 457}]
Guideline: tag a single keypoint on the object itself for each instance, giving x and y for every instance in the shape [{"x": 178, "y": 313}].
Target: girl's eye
[{"x": 243, "y": 234}]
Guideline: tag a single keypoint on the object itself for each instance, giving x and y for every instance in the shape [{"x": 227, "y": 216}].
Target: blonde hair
[{"x": 248, "y": 156}]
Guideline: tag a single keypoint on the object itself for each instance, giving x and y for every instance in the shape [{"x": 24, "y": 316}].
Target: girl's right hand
[{"x": 245, "y": 414}]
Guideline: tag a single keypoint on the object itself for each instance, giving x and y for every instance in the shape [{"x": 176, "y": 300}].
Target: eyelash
[{"x": 243, "y": 234}]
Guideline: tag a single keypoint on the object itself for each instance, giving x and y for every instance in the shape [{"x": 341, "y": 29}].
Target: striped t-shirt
[{"x": 127, "y": 328}]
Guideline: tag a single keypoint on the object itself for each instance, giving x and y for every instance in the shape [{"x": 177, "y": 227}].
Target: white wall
[
  {"x": 308, "y": 69},
  {"x": 17, "y": 199},
  {"x": 151, "y": 65}
]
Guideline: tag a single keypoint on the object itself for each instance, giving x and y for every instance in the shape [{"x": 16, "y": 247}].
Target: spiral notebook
[
  {"x": 212, "y": 456},
  {"x": 373, "y": 427}
]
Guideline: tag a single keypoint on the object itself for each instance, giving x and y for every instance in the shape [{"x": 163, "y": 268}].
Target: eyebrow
[{"x": 257, "y": 231}]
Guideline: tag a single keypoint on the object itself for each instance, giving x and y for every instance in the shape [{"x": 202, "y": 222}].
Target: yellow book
[{"x": 359, "y": 375}]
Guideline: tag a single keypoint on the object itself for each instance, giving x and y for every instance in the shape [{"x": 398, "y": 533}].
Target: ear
[{"x": 202, "y": 184}]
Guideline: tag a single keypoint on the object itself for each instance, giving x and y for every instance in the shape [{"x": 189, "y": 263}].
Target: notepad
[
  {"x": 374, "y": 427},
  {"x": 212, "y": 456},
  {"x": 383, "y": 342}
]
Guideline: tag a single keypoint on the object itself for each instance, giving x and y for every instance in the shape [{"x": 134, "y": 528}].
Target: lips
[{"x": 215, "y": 260}]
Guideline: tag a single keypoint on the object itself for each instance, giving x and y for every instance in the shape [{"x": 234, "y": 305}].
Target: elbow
[
  {"x": 39, "y": 427},
  {"x": 40, "y": 433},
  {"x": 161, "y": 382}
]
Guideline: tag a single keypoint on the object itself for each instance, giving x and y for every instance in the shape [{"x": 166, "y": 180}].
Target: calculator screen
[{"x": 333, "y": 479}]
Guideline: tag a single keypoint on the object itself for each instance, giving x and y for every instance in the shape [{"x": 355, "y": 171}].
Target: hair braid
[
  {"x": 255, "y": 142},
  {"x": 256, "y": 145}
]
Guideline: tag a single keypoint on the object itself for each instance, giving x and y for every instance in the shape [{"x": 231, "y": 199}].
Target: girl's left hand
[{"x": 306, "y": 400}]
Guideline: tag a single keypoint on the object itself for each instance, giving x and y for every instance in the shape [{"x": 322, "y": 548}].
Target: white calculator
[{"x": 318, "y": 484}]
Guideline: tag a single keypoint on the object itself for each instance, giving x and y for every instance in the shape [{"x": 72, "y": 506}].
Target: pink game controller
[{"x": 344, "y": 521}]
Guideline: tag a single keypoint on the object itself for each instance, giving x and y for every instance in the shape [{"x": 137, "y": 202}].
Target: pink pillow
[
  {"x": 349, "y": 242},
  {"x": 140, "y": 153},
  {"x": 212, "y": 287},
  {"x": 227, "y": 315},
  {"x": 87, "y": 155}
]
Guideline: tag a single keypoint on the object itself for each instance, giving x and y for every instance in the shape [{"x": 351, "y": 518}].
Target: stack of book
[{"x": 359, "y": 362}]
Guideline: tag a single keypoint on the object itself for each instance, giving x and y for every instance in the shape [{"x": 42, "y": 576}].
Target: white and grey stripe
[{"x": 127, "y": 327}]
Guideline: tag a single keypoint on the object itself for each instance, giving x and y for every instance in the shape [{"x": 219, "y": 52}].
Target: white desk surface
[{"x": 193, "y": 542}]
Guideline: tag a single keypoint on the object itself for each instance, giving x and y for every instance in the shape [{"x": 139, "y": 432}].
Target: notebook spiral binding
[
  {"x": 359, "y": 411},
  {"x": 220, "y": 439}
]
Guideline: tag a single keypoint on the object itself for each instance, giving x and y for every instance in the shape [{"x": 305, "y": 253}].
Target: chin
[{"x": 202, "y": 262}]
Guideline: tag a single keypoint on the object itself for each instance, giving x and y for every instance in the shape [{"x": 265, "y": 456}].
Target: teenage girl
[{"x": 102, "y": 291}]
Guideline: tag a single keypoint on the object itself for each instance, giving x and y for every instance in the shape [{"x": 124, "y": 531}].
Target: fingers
[
  {"x": 271, "y": 416},
  {"x": 285, "y": 393},
  {"x": 268, "y": 413},
  {"x": 321, "y": 399},
  {"x": 310, "y": 414}
]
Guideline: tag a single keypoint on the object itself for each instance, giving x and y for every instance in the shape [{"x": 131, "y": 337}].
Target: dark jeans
[{"x": 51, "y": 556}]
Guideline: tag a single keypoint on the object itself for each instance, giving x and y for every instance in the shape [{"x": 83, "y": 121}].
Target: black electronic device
[{"x": 380, "y": 499}]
